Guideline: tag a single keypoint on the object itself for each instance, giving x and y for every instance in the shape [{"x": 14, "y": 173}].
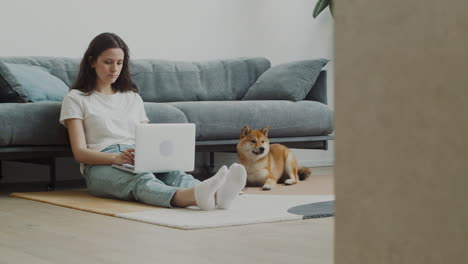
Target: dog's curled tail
[{"x": 303, "y": 173}]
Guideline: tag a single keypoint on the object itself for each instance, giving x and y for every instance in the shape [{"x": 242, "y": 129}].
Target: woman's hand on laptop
[{"x": 125, "y": 157}]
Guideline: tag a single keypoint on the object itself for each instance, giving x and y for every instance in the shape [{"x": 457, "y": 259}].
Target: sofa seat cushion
[
  {"x": 38, "y": 123},
  {"x": 31, "y": 124},
  {"x": 164, "y": 113},
  {"x": 225, "y": 119}
]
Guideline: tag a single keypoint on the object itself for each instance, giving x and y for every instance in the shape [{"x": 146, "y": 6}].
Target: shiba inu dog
[{"x": 266, "y": 164}]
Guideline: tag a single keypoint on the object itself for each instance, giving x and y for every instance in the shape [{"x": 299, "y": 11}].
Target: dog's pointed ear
[
  {"x": 265, "y": 130},
  {"x": 245, "y": 131}
]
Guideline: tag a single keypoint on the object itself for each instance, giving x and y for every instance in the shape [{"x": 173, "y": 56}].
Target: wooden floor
[{"x": 33, "y": 232}]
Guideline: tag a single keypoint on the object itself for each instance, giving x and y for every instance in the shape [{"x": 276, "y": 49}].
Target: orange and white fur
[{"x": 267, "y": 164}]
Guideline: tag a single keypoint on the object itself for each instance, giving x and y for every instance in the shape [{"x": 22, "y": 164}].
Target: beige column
[{"x": 401, "y": 101}]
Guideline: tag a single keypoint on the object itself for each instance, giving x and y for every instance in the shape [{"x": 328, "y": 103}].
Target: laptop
[{"x": 163, "y": 148}]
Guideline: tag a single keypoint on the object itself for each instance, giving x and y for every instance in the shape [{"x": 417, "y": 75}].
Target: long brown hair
[{"x": 86, "y": 81}]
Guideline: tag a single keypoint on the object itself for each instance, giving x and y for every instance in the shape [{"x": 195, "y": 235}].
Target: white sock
[
  {"x": 232, "y": 187},
  {"x": 205, "y": 191}
]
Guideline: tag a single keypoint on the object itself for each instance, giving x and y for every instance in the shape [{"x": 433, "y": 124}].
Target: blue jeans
[{"x": 154, "y": 189}]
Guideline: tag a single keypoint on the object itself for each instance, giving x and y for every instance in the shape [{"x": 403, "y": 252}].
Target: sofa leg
[
  {"x": 212, "y": 165},
  {"x": 51, "y": 185},
  {"x": 209, "y": 168}
]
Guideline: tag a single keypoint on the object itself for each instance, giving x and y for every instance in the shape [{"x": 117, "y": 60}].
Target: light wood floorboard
[{"x": 33, "y": 232}]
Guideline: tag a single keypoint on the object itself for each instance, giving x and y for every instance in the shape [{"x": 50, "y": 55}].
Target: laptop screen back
[{"x": 165, "y": 147}]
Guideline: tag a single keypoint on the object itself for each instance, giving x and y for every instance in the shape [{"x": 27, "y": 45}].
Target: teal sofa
[{"x": 218, "y": 96}]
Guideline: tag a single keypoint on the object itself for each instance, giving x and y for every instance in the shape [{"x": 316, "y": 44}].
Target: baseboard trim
[
  {"x": 304, "y": 163},
  {"x": 316, "y": 163}
]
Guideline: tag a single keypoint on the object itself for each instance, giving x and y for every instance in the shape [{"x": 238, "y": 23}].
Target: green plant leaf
[{"x": 320, "y": 6}]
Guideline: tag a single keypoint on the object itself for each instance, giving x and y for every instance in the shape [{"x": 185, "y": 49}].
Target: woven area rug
[{"x": 254, "y": 206}]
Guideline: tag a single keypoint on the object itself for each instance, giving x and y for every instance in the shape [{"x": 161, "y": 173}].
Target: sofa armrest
[{"x": 319, "y": 89}]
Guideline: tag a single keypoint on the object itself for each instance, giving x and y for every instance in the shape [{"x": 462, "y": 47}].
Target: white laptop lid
[{"x": 165, "y": 147}]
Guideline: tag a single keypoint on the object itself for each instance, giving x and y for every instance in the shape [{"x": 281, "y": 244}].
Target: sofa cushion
[
  {"x": 173, "y": 81},
  {"x": 32, "y": 83},
  {"x": 164, "y": 113},
  {"x": 31, "y": 124},
  {"x": 66, "y": 69},
  {"x": 289, "y": 81},
  {"x": 225, "y": 119},
  {"x": 37, "y": 123},
  {"x": 8, "y": 95},
  {"x": 319, "y": 89}
]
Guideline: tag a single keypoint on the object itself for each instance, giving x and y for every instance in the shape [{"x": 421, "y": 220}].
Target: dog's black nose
[{"x": 262, "y": 149}]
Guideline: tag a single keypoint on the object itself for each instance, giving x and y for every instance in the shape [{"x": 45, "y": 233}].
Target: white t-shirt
[{"x": 107, "y": 119}]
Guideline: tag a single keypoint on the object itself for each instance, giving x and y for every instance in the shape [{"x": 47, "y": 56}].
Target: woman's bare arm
[{"x": 84, "y": 155}]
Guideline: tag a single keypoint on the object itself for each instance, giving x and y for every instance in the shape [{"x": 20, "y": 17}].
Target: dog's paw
[
  {"x": 289, "y": 182},
  {"x": 266, "y": 187}
]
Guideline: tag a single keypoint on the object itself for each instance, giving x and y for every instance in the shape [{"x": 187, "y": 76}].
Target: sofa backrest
[{"x": 171, "y": 81}]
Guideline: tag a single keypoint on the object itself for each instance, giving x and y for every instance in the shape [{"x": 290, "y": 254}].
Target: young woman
[{"x": 101, "y": 112}]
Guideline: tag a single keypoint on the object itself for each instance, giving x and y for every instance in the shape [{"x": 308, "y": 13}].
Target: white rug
[{"x": 246, "y": 209}]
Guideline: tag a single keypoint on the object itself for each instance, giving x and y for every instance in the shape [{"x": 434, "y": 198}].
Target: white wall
[
  {"x": 185, "y": 30},
  {"x": 177, "y": 30}
]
